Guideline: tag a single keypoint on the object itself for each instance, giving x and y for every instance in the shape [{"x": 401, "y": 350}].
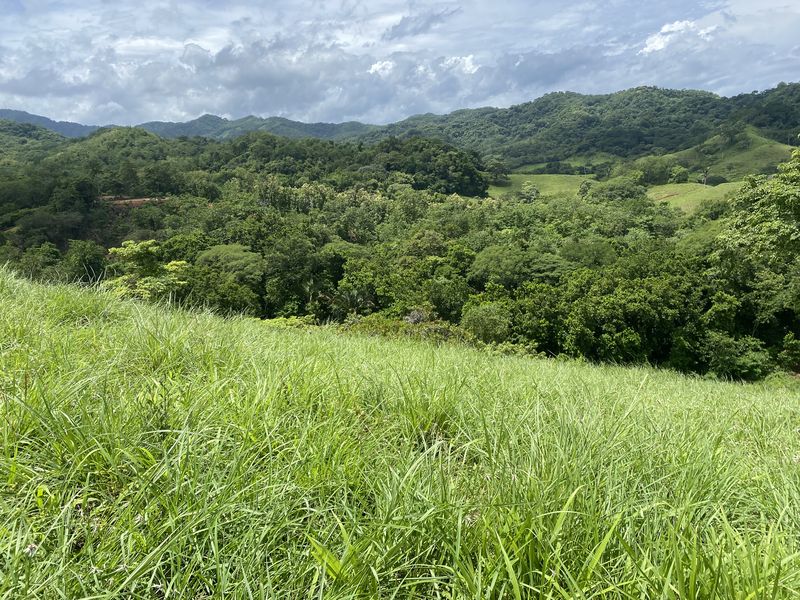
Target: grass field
[
  {"x": 688, "y": 196},
  {"x": 152, "y": 453},
  {"x": 578, "y": 160},
  {"x": 762, "y": 155},
  {"x": 550, "y": 185}
]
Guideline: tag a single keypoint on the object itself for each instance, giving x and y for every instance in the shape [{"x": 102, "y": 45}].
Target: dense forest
[{"x": 399, "y": 237}]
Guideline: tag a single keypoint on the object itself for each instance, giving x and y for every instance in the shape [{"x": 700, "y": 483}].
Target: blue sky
[{"x": 119, "y": 61}]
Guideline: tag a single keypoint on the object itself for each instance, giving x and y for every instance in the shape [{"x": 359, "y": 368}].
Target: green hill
[
  {"x": 689, "y": 196},
  {"x": 152, "y": 453},
  {"x": 549, "y": 185},
  {"x": 628, "y": 123},
  {"x": 65, "y": 128},
  {"x": 556, "y": 127},
  {"x": 734, "y": 154},
  {"x": 218, "y": 128},
  {"x": 22, "y": 141}
]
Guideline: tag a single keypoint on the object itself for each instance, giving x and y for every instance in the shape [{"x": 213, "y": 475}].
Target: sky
[{"x": 376, "y": 61}]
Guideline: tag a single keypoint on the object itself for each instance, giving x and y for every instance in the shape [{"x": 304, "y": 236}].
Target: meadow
[
  {"x": 550, "y": 185},
  {"x": 751, "y": 153},
  {"x": 149, "y": 452},
  {"x": 689, "y": 196}
]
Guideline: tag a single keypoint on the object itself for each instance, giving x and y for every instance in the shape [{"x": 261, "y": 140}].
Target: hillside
[
  {"x": 219, "y": 128},
  {"x": 25, "y": 142},
  {"x": 65, "y": 128},
  {"x": 734, "y": 154},
  {"x": 555, "y": 127},
  {"x": 689, "y": 196},
  {"x": 150, "y": 452}
]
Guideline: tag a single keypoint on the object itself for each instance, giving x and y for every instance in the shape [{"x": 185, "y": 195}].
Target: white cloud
[
  {"x": 332, "y": 60},
  {"x": 466, "y": 64},
  {"x": 382, "y": 68},
  {"x": 672, "y": 31}
]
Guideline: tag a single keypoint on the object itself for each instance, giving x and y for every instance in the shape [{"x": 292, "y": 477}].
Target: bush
[
  {"x": 737, "y": 358},
  {"x": 383, "y": 326},
  {"x": 679, "y": 174},
  {"x": 490, "y": 322},
  {"x": 789, "y": 357}
]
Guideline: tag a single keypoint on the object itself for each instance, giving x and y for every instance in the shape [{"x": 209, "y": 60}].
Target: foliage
[
  {"x": 489, "y": 322},
  {"x": 142, "y": 274}
]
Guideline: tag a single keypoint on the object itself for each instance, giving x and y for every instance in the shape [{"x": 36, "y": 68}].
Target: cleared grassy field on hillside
[
  {"x": 550, "y": 185},
  {"x": 688, "y": 196},
  {"x": 151, "y": 453},
  {"x": 757, "y": 155}
]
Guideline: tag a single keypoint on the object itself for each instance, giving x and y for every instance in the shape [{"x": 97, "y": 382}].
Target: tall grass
[{"x": 153, "y": 453}]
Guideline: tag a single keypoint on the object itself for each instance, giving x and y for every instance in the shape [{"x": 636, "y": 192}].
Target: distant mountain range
[
  {"x": 210, "y": 126},
  {"x": 554, "y": 127},
  {"x": 65, "y": 128}
]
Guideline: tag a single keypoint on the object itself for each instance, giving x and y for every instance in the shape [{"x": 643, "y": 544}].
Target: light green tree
[{"x": 142, "y": 274}]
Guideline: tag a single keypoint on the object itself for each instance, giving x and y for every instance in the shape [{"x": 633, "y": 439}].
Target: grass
[
  {"x": 689, "y": 196},
  {"x": 550, "y": 185},
  {"x": 735, "y": 162},
  {"x": 155, "y": 453},
  {"x": 578, "y": 160}
]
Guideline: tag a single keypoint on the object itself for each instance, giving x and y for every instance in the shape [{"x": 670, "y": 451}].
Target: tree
[
  {"x": 490, "y": 322},
  {"x": 498, "y": 170},
  {"x": 529, "y": 192},
  {"x": 142, "y": 273},
  {"x": 84, "y": 261}
]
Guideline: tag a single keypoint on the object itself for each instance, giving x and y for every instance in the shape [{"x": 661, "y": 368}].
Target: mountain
[
  {"x": 630, "y": 123},
  {"x": 65, "y": 128},
  {"x": 557, "y": 126},
  {"x": 220, "y": 128},
  {"x": 26, "y": 142}
]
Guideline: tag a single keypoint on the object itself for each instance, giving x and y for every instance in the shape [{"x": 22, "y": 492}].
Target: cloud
[
  {"x": 382, "y": 68},
  {"x": 335, "y": 60},
  {"x": 466, "y": 64},
  {"x": 672, "y": 31},
  {"x": 411, "y": 25}
]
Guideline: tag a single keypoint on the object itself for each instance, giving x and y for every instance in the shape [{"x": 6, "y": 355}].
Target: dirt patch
[{"x": 126, "y": 201}]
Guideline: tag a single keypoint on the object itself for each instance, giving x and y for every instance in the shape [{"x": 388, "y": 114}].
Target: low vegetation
[
  {"x": 149, "y": 452},
  {"x": 689, "y": 197}
]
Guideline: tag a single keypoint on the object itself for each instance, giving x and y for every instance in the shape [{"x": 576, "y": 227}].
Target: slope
[
  {"x": 149, "y": 453},
  {"x": 65, "y": 128},
  {"x": 557, "y": 126},
  {"x": 219, "y": 128},
  {"x": 735, "y": 153}
]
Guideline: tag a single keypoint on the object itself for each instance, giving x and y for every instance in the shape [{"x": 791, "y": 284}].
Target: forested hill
[
  {"x": 65, "y": 128},
  {"x": 218, "y": 128},
  {"x": 630, "y": 123},
  {"x": 555, "y": 127}
]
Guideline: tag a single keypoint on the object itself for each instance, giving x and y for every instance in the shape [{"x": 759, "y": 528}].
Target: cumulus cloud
[
  {"x": 382, "y": 68},
  {"x": 671, "y": 31},
  {"x": 335, "y": 60}
]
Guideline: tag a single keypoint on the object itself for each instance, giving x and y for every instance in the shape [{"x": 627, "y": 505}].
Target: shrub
[
  {"x": 737, "y": 358},
  {"x": 490, "y": 322},
  {"x": 789, "y": 357},
  {"x": 383, "y": 326}
]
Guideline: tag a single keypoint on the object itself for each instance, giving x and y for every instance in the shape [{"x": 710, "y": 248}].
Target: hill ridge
[{"x": 557, "y": 125}]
